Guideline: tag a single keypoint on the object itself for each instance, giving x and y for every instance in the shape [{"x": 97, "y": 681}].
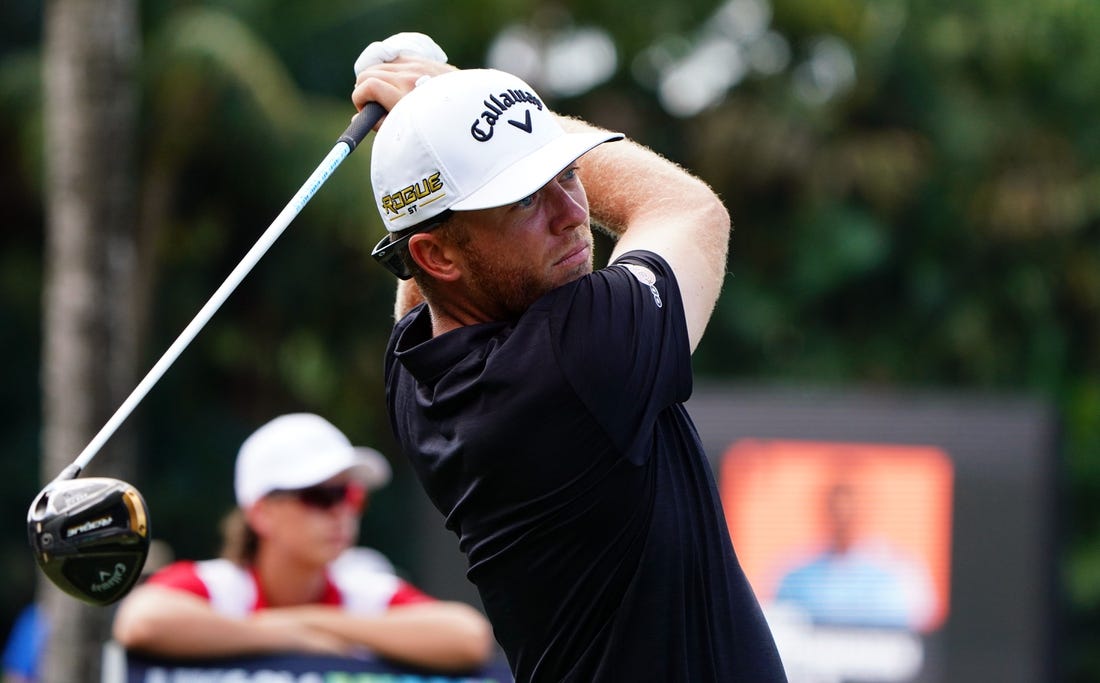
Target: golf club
[{"x": 91, "y": 536}]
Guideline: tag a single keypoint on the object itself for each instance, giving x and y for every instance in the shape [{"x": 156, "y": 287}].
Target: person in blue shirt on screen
[{"x": 856, "y": 581}]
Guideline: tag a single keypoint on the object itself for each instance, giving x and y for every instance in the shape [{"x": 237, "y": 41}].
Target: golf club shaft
[{"x": 361, "y": 124}]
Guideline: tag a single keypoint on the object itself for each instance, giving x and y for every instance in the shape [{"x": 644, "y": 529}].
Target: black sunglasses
[
  {"x": 328, "y": 496},
  {"x": 390, "y": 252}
]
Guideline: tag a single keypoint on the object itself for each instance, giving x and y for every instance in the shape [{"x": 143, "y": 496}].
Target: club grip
[{"x": 361, "y": 124}]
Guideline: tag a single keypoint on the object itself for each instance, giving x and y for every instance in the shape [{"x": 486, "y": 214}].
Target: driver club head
[{"x": 90, "y": 536}]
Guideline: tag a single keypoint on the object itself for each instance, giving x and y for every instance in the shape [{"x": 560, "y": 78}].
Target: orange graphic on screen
[{"x": 852, "y": 534}]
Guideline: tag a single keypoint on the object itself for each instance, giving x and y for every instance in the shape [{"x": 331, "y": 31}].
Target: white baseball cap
[
  {"x": 297, "y": 451},
  {"x": 466, "y": 140}
]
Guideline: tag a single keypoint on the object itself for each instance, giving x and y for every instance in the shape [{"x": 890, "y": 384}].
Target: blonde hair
[{"x": 240, "y": 542}]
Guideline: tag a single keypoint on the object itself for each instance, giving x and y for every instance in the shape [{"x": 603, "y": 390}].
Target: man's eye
[
  {"x": 569, "y": 173},
  {"x": 526, "y": 202}
]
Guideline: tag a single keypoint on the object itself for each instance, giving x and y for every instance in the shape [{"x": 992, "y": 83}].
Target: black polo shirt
[{"x": 558, "y": 450}]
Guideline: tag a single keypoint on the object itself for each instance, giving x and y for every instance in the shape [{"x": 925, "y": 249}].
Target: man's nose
[{"x": 568, "y": 210}]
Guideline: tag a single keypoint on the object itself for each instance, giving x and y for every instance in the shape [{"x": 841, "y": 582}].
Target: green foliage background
[{"x": 935, "y": 225}]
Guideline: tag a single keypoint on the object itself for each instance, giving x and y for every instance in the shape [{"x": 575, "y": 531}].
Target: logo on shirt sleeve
[{"x": 647, "y": 278}]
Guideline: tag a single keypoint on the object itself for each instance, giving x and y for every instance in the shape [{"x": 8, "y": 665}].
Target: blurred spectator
[
  {"x": 289, "y": 578},
  {"x": 25, "y": 643}
]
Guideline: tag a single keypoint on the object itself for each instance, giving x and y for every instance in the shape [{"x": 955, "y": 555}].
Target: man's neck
[{"x": 450, "y": 315}]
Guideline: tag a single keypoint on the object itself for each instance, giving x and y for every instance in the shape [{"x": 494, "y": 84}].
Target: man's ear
[{"x": 435, "y": 257}]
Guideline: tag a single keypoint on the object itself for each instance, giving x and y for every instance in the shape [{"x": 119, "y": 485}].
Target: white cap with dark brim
[
  {"x": 467, "y": 140},
  {"x": 300, "y": 450}
]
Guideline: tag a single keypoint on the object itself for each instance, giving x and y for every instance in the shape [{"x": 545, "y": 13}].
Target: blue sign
[{"x": 297, "y": 669}]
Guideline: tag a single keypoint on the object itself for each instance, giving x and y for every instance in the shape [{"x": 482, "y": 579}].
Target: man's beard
[{"x": 510, "y": 287}]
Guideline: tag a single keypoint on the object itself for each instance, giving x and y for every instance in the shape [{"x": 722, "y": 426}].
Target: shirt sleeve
[
  {"x": 368, "y": 585},
  {"x": 622, "y": 339},
  {"x": 181, "y": 576},
  {"x": 408, "y": 594}
]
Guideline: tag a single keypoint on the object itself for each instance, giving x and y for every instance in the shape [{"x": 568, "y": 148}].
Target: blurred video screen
[
  {"x": 848, "y": 547},
  {"x": 892, "y": 539}
]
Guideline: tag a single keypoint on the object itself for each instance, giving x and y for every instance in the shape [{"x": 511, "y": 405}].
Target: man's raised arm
[{"x": 650, "y": 203}]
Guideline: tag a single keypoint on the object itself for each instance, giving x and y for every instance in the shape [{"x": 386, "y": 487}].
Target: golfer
[
  {"x": 290, "y": 580},
  {"x": 541, "y": 403}
]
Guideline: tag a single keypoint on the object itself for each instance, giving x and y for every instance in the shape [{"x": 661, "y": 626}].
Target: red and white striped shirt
[{"x": 361, "y": 580}]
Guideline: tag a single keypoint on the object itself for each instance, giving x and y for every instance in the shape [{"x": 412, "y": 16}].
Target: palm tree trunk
[{"x": 88, "y": 358}]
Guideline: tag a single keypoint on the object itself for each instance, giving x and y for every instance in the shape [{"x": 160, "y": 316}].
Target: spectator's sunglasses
[{"x": 328, "y": 496}]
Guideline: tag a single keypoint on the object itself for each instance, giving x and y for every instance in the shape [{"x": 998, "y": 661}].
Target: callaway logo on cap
[
  {"x": 468, "y": 140},
  {"x": 495, "y": 108}
]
